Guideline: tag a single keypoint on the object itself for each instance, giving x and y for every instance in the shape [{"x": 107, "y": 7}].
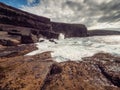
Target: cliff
[
  {"x": 103, "y": 32},
  {"x": 70, "y": 30},
  {"x": 40, "y": 72},
  {"x": 28, "y": 28}
]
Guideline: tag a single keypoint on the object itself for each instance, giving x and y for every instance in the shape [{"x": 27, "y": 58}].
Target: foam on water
[{"x": 76, "y": 48}]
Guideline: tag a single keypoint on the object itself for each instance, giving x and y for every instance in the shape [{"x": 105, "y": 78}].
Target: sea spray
[
  {"x": 61, "y": 36},
  {"x": 76, "y": 48}
]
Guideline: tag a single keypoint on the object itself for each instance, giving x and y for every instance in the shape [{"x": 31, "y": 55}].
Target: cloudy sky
[{"x": 95, "y": 14}]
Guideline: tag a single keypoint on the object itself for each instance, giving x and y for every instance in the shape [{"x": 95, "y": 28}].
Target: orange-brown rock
[
  {"x": 24, "y": 73},
  {"x": 100, "y": 72},
  {"x": 40, "y": 72}
]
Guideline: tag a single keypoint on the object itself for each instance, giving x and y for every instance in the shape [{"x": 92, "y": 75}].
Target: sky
[{"x": 95, "y": 14}]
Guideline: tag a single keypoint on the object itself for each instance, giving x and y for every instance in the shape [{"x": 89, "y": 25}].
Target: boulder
[
  {"x": 49, "y": 35},
  {"x": 9, "y": 42},
  {"x": 13, "y": 51},
  {"x": 27, "y": 39}
]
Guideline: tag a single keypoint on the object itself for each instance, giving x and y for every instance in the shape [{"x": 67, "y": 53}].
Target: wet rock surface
[
  {"x": 23, "y": 73},
  {"x": 12, "y": 51},
  {"x": 40, "y": 72},
  {"x": 100, "y": 72}
]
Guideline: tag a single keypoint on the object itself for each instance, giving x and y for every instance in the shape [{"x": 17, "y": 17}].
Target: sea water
[{"x": 75, "y": 49}]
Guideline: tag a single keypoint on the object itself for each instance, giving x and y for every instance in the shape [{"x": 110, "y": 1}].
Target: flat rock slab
[
  {"x": 94, "y": 73},
  {"x": 40, "y": 72},
  {"x": 12, "y": 51},
  {"x": 23, "y": 73}
]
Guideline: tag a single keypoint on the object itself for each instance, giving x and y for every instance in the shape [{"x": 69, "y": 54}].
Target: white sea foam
[
  {"x": 61, "y": 36},
  {"x": 76, "y": 48}
]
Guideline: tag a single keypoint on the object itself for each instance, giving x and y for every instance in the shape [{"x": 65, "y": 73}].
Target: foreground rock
[
  {"x": 20, "y": 50},
  {"x": 24, "y": 73},
  {"x": 100, "y": 72},
  {"x": 39, "y": 72}
]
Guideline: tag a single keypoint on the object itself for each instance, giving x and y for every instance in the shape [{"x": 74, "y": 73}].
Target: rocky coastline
[{"x": 19, "y": 31}]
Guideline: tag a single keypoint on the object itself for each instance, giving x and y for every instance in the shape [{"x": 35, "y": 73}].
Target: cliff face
[
  {"x": 102, "y": 32},
  {"x": 70, "y": 30},
  {"x": 22, "y": 26},
  {"x": 28, "y": 28},
  {"x": 12, "y": 16}
]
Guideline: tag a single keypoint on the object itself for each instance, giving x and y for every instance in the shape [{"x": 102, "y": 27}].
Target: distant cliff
[
  {"x": 70, "y": 30},
  {"x": 28, "y": 28},
  {"x": 102, "y": 32}
]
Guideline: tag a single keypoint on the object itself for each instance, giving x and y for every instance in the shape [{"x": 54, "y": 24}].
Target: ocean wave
[{"x": 77, "y": 48}]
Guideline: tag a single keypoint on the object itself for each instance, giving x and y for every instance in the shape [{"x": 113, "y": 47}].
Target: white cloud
[
  {"x": 88, "y": 12},
  {"x": 30, "y": 1}
]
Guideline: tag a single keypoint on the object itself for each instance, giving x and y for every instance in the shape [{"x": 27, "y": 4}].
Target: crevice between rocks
[
  {"x": 114, "y": 80},
  {"x": 54, "y": 69}
]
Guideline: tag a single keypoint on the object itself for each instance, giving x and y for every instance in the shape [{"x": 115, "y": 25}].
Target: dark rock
[
  {"x": 17, "y": 22},
  {"x": 49, "y": 34},
  {"x": 19, "y": 50},
  {"x": 102, "y": 32},
  {"x": 14, "y": 32},
  {"x": 70, "y": 30},
  {"x": 41, "y": 40},
  {"x": 20, "y": 23},
  {"x": 13, "y": 16},
  {"x": 55, "y": 69},
  {"x": 9, "y": 42},
  {"x": 26, "y": 39},
  {"x": 52, "y": 40}
]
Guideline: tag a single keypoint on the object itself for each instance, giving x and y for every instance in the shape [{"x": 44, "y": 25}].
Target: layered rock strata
[{"x": 23, "y": 27}]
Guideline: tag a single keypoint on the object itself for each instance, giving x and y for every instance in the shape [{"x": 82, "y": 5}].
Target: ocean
[{"x": 74, "y": 49}]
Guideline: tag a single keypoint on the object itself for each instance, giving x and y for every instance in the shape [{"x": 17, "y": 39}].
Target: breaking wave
[{"x": 76, "y": 48}]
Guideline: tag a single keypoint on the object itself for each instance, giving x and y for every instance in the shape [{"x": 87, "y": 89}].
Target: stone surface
[
  {"x": 12, "y": 51},
  {"x": 9, "y": 41},
  {"x": 20, "y": 23},
  {"x": 102, "y": 32},
  {"x": 23, "y": 73},
  {"x": 31, "y": 27},
  {"x": 40, "y": 72},
  {"x": 100, "y": 72},
  {"x": 70, "y": 30},
  {"x": 13, "y": 16}
]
